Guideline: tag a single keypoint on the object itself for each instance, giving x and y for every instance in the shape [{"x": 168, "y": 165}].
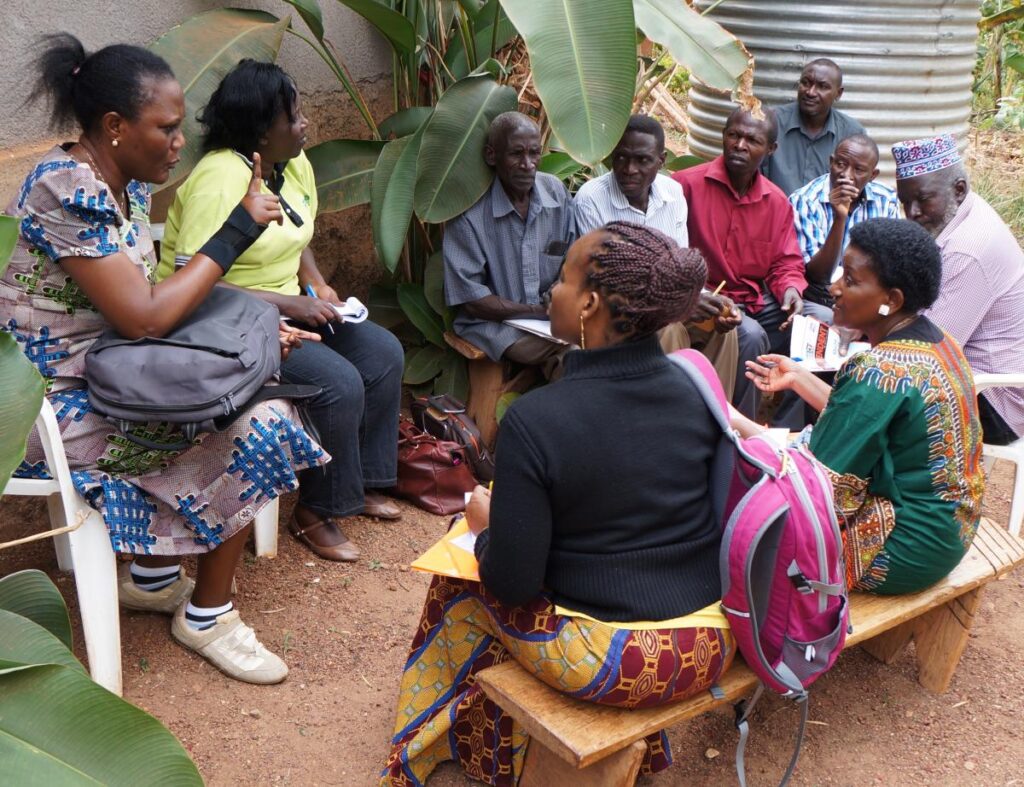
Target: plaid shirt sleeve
[
  {"x": 811, "y": 221},
  {"x": 465, "y": 263}
]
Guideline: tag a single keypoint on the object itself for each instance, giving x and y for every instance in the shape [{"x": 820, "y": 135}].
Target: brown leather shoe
[
  {"x": 345, "y": 552},
  {"x": 380, "y": 507}
]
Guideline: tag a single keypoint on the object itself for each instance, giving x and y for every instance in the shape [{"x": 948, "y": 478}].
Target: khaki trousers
[{"x": 722, "y": 349}]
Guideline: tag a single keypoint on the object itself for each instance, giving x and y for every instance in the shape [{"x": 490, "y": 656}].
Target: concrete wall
[{"x": 342, "y": 244}]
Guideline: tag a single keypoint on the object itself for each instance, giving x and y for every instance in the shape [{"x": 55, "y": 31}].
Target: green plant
[
  {"x": 58, "y": 727},
  {"x": 456, "y": 65},
  {"x": 21, "y": 387},
  {"x": 999, "y": 70}
]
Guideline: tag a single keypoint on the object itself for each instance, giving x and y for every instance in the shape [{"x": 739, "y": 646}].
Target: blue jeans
[
  {"x": 359, "y": 368},
  {"x": 760, "y": 334}
]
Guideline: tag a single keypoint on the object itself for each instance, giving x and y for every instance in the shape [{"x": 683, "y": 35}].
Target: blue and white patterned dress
[{"x": 153, "y": 502}]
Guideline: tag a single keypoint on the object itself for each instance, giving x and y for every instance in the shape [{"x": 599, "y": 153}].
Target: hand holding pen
[{"x": 312, "y": 294}]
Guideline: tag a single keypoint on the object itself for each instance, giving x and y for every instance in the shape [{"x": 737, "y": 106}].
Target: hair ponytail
[
  {"x": 81, "y": 88},
  {"x": 58, "y": 66}
]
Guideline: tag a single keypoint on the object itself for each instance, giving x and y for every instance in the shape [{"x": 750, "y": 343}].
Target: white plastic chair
[
  {"x": 83, "y": 546},
  {"x": 1014, "y": 452}
]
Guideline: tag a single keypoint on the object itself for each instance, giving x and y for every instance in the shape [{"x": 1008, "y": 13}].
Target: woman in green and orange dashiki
[{"x": 899, "y": 429}]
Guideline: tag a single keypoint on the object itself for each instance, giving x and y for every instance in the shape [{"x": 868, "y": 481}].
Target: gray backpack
[{"x": 200, "y": 377}]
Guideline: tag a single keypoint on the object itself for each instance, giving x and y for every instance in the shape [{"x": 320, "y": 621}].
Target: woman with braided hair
[{"x": 598, "y": 551}]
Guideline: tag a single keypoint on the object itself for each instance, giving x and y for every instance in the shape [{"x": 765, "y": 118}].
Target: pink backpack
[{"x": 783, "y": 578}]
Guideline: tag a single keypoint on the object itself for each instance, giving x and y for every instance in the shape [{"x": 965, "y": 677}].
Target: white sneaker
[
  {"x": 165, "y": 600},
  {"x": 230, "y": 646}
]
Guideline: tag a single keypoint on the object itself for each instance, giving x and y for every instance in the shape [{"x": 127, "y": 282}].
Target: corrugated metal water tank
[{"x": 906, "y": 64}]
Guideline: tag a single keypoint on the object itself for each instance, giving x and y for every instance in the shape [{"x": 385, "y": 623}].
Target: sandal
[{"x": 345, "y": 552}]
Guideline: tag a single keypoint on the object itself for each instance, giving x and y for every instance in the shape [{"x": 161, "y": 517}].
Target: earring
[
  {"x": 113, "y": 142},
  {"x": 583, "y": 336},
  {"x": 884, "y": 309}
]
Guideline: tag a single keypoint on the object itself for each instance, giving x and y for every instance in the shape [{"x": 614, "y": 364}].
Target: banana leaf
[
  {"x": 59, "y": 728},
  {"x": 32, "y": 595},
  {"x": 405, "y": 122},
  {"x": 450, "y": 173},
  {"x": 391, "y": 197},
  {"x": 422, "y": 364},
  {"x": 25, "y": 642},
  {"x": 344, "y": 171},
  {"x": 21, "y": 387},
  {"x": 583, "y": 56},
  {"x": 311, "y": 14},
  {"x": 389, "y": 23},
  {"x": 384, "y": 307},
  {"x": 414, "y": 304},
  {"x": 455, "y": 56},
  {"x": 202, "y": 50},
  {"x": 707, "y": 49},
  {"x": 454, "y": 377}
]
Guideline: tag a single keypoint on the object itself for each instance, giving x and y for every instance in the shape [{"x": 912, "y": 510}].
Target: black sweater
[{"x": 601, "y": 491}]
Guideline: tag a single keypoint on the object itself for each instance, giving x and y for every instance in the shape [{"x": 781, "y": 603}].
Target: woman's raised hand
[
  {"x": 264, "y": 208},
  {"x": 771, "y": 373}
]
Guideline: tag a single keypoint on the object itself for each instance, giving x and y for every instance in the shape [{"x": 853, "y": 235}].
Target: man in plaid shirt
[{"x": 826, "y": 208}]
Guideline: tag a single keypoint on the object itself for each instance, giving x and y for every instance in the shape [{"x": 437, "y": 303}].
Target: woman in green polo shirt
[{"x": 256, "y": 109}]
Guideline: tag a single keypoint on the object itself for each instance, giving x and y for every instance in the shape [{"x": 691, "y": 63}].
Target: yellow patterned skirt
[{"x": 443, "y": 715}]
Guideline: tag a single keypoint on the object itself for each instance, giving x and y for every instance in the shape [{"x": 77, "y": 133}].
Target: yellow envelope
[{"x": 452, "y": 556}]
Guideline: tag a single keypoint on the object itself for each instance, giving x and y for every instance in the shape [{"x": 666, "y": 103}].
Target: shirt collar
[
  {"x": 959, "y": 218},
  {"x": 758, "y": 188},
  {"x": 660, "y": 194},
  {"x": 540, "y": 197},
  {"x": 793, "y": 122}
]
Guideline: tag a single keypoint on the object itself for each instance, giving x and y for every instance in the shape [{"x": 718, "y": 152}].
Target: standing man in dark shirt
[
  {"x": 503, "y": 254},
  {"x": 809, "y": 128}
]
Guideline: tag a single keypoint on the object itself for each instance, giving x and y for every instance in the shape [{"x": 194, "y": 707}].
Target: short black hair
[
  {"x": 245, "y": 104},
  {"x": 824, "y": 61},
  {"x": 645, "y": 124},
  {"x": 903, "y": 255},
  {"x": 83, "y": 87},
  {"x": 864, "y": 141},
  {"x": 769, "y": 120}
]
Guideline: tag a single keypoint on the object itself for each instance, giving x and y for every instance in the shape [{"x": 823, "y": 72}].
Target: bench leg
[
  {"x": 485, "y": 388},
  {"x": 940, "y": 637},
  {"x": 887, "y": 646},
  {"x": 543, "y": 768}
]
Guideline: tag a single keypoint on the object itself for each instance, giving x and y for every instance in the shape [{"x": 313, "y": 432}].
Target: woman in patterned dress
[
  {"x": 599, "y": 551},
  {"x": 84, "y": 262},
  {"x": 899, "y": 429}
]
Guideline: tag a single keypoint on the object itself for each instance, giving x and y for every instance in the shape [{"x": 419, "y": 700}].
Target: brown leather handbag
[
  {"x": 446, "y": 418},
  {"x": 432, "y": 474}
]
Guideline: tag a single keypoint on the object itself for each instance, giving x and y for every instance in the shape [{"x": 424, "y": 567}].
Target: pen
[{"x": 312, "y": 294}]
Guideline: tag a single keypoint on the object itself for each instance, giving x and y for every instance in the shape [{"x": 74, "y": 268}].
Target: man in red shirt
[{"x": 743, "y": 225}]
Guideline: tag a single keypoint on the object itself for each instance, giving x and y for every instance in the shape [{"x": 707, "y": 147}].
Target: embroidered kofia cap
[{"x": 919, "y": 156}]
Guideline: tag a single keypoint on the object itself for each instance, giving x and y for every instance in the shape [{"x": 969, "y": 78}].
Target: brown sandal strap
[{"x": 302, "y": 531}]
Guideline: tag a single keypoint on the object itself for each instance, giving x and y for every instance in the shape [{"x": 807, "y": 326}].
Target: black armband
[{"x": 238, "y": 232}]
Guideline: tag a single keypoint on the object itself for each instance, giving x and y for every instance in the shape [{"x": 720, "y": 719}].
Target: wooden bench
[
  {"x": 598, "y": 745},
  {"x": 488, "y": 380}
]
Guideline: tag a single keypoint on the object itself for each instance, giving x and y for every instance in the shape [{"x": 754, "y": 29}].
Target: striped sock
[
  {"x": 202, "y": 618},
  {"x": 153, "y": 578}
]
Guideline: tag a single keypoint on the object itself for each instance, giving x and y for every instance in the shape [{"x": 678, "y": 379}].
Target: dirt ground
[{"x": 344, "y": 630}]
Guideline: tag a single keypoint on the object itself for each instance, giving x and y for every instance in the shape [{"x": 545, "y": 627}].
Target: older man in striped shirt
[
  {"x": 981, "y": 301},
  {"x": 830, "y": 205}
]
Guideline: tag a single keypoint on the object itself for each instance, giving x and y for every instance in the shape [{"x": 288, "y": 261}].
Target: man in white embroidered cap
[{"x": 981, "y": 300}]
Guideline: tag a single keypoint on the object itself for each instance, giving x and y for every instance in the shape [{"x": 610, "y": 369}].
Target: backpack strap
[
  {"x": 743, "y": 711},
  {"x": 703, "y": 375}
]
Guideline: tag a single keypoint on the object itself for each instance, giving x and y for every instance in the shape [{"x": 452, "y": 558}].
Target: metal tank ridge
[{"x": 906, "y": 63}]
